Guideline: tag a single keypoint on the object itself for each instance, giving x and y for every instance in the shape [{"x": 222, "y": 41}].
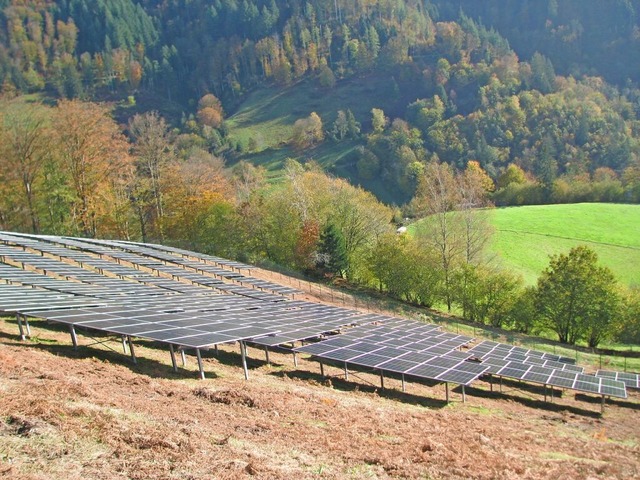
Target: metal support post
[
  {"x": 266, "y": 354},
  {"x": 500, "y": 384},
  {"x": 243, "y": 352},
  {"x": 215, "y": 349},
  {"x": 545, "y": 392},
  {"x": 446, "y": 390},
  {"x": 200, "y": 367},
  {"x": 346, "y": 372},
  {"x": 124, "y": 344},
  {"x": 132, "y": 350},
  {"x": 322, "y": 369},
  {"x": 19, "y": 320},
  {"x": 173, "y": 357},
  {"x": 295, "y": 359},
  {"x": 602, "y": 406},
  {"x": 184, "y": 358},
  {"x": 403, "y": 384},
  {"x": 464, "y": 395},
  {"x": 26, "y": 324},
  {"x": 381, "y": 380},
  {"x": 74, "y": 337}
]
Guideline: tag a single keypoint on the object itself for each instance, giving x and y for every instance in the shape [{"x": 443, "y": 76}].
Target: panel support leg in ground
[
  {"x": 26, "y": 324},
  {"x": 381, "y": 380},
  {"x": 346, "y": 372},
  {"x": 20, "y": 327},
  {"x": 200, "y": 367},
  {"x": 404, "y": 389},
  {"x": 243, "y": 353},
  {"x": 464, "y": 395},
  {"x": 132, "y": 350},
  {"x": 184, "y": 358},
  {"x": 322, "y": 369},
  {"x": 124, "y": 344},
  {"x": 266, "y": 354},
  {"x": 74, "y": 337},
  {"x": 173, "y": 358},
  {"x": 446, "y": 390}
]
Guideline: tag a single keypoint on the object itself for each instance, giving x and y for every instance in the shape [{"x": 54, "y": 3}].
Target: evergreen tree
[{"x": 332, "y": 253}]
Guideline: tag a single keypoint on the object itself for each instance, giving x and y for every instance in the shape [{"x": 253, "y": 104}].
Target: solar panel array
[
  {"x": 519, "y": 363},
  {"x": 180, "y": 257},
  {"x": 631, "y": 380},
  {"x": 404, "y": 347},
  {"x": 86, "y": 284}
]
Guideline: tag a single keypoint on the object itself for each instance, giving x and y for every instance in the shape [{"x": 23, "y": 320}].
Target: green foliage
[
  {"x": 332, "y": 253},
  {"x": 576, "y": 298}
]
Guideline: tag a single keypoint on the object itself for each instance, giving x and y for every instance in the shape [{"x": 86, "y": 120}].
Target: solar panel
[{"x": 631, "y": 380}]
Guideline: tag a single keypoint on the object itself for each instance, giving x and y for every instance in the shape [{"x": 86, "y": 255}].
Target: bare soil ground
[{"x": 91, "y": 413}]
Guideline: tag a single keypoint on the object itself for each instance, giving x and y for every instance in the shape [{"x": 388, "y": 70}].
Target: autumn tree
[
  {"x": 437, "y": 198},
  {"x": 92, "y": 149},
  {"x": 307, "y": 132},
  {"x": 210, "y": 112},
  {"x": 154, "y": 151},
  {"x": 25, "y": 146}
]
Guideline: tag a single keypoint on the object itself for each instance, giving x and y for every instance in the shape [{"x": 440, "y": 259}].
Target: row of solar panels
[
  {"x": 394, "y": 348},
  {"x": 141, "y": 257},
  {"x": 181, "y": 258},
  {"x": 129, "y": 284}
]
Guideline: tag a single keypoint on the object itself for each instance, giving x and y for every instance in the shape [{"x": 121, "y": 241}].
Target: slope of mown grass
[{"x": 525, "y": 236}]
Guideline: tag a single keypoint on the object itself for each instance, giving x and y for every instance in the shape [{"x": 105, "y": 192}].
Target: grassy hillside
[
  {"x": 526, "y": 236},
  {"x": 265, "y": 121}
]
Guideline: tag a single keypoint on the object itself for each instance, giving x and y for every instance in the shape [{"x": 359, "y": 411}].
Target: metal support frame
[
  {"x": 346, "y": 372},
  {"x": 243, "y": 352},
  {"x": 464, "y": 395},
  {"x": 132, "y": 350},
  {"x": 295, "y": 359},
  {"x": 266, "y": 354},
  {"x": 26, "y": 324},
  {"x": 124, "y": 344},
  {"x": 215, "y": 350},
  {"x": 200, "y": 367},
  {"x": 404, "y": 389},
  {"x": 381, "y": 380},
  {"x": 322, "y": 369},
  {"x": 184, "y": 357},
  {"x": 446, "y": 390},
  {"x": 74, "y": 337},
  {"x": 545, "y": 392},
  {"x": 173, "y": 357},
  {"x": 20, "y": 327}
]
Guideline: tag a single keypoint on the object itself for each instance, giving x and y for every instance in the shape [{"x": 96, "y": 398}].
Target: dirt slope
[{"x": 92, "y": 414}]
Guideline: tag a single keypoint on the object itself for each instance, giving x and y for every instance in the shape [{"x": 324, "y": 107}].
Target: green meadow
[{"x": 524, "y": 237}]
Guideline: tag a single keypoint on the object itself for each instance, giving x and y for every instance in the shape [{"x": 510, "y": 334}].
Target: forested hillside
[{"x": 450, "y": 86}]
